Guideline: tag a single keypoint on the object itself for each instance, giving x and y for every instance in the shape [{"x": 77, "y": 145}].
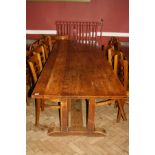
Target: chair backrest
[
  {"x": 114, "y": 42},
  {"x": 34, "y": 45},
  {"x": 81, "y": 31},
  {"x": 46, "y": 51},
  {"x": 35, "y": 65},
  {"x": 41, "y": 51},
  {"x": 28, "y": 54},
  {"x": 48, "y": 42},
  {"x": 123, "y": 73},
  {"x": 113, "y": 58}
]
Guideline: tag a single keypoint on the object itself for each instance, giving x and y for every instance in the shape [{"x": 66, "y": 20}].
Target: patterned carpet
[{"x": 116, "y": 141}]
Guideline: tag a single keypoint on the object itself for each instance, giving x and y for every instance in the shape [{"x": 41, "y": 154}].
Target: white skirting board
[{"x": 110, "y": 34}]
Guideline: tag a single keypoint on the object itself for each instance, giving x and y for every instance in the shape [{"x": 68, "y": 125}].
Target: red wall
[{"x": 42, "y": 15}]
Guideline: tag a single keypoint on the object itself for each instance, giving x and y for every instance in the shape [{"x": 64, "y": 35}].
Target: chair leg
[
  {"x": 121, "y": 111},
  {"x": 118, "y": 115},
  {"x": 37, "y": 111},
  {"x": 123, "y": 103},
  {"x": 115, "y": 104},
  {"x": 87, "y": 106},
  {"x": 42, "y": 105},
  {"x": 59, "y": 103},
  {"x": 27, "y": 99}
]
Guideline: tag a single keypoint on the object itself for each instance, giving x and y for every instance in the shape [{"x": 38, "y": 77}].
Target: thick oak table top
[{"x": 75, "y": 70}]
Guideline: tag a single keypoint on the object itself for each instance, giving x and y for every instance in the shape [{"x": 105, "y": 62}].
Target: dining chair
[
  {"x": 34, "y": 45},
  {"x": 85, "y": 32},
  {"x": 114, "y": 58},
  {"x": 36, "y": 67},
  {"x": 123, "y": 75},
  {"x": 28, "y": 84},
  {"x": 37, "y": 47},
  {"x": 40, "y": 50},
  {"x": 113, "y": 43},
  {"x": 48, "y": 41},
  {"x": 28, "y": 77}
]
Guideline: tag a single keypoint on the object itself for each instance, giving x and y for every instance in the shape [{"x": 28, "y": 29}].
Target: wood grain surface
[{"x": 76, "y": 70}]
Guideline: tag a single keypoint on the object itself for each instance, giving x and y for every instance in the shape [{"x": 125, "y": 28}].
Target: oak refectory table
[{"x": 76, "y": 71}]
